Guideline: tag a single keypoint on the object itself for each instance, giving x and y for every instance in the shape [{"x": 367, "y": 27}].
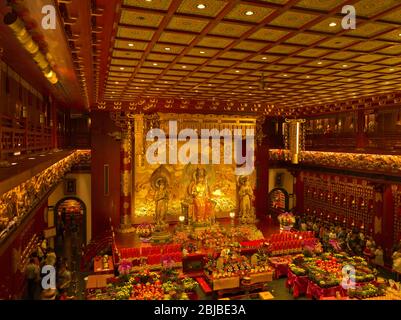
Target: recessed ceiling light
[
  {"x": 392, "y": 69},
  {"x": 31, "y": 158},
  {"x": 148, "y": 0},
  {"x": 202, "y": 52},
  {"x": 209, "y": 84},
  {"x": 121, "y": 68},
  {"x": 165, "y": 81},
  {"x": 285, "y": 75},
  {"x": 237, "y": 71},
  {"x": 264, "y": 58},
  {"x": 113, "y": 92},
  {"x": 184, "y": 67},
  {"x": 14, "y": 163},
  {"x": 345, "y": 65},
  {"x": 136, "y": 87},
  {"x": 130, "y": 44},
  {"x": 249, "y": 13},
  {"x": 117, "y": 82},
  {"x": 201, "y": 6},
  {"x": 332, "y": 24},
  {"x": 319, "y": 62},
  {"x": 142, "y": 80},
  {"x": 167, "y": 49},
  {"x": 155, "y": 64},
  {"x": 307, "y": 77}
]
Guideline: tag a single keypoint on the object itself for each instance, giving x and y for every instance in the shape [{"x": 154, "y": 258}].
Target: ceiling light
[
  {"x": 202, "y": 52},
  {"x": 184, "y": 67},
  {"x": 237, "y": 71},
  {"x": 285, "y": 75},
  {"x": 201, "y": 6},
  {"x": 148, "y": 0},
  {"x": 249, "y": 13},
  {"x": 31, "y": 158},
  {"x": 264, "y": 58},
  {"x": 117, "y": 82},
  {"x": 121, "y": 68},
  {"x": 142, "y": 80},
  {"x": 392, "y": 69},
  {"x": 14, "y": 163},
  {"x": 307, "y": 77},
  {"x": 332, "y": 24},
  {"x": 155, "y": 64},
  {"x": 345, "y": 65},
  {"x": 130, "y": 44},
  {"x": 320, "y": 62},
  {"x": 167, "y": 49}
]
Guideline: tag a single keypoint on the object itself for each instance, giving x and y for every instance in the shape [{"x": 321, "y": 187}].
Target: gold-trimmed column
[
  {"x": 294, "y": 138},
  {"x": 126, "y": 177}
]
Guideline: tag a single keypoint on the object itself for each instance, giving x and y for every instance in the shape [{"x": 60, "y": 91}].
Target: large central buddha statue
[{"x": 200, "y": 192}]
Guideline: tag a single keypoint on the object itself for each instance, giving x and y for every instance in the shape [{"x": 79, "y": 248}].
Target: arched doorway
[
  {"x": 70, "y": 213},
  {"x": 278, "y": 201}
]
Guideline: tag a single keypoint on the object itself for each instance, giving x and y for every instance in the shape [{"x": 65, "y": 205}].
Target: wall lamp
[{"x": 17, "y": 25}]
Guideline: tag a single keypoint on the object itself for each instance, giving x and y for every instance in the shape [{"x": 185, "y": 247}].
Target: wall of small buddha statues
[{"x": 353, "y": 202}]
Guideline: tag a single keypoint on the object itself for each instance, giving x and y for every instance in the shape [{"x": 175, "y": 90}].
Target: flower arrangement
[
  {"x": 124, "y": 292},
  {"x": 125, "y": 267},
  {"x": 148, "y": 291},
  {"x": 189, "y": 284},
  {"x": 145, "y": 230},
  {"x": 326, "y": 269},
  {"x": 286, "y": 219}
]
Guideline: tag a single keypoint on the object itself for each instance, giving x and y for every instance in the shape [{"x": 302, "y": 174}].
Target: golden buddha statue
[{"x": 200, "y": 192}]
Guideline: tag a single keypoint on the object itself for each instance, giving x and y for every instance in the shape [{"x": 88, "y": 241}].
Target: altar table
[
  {"x": 261, "y": 277},
  {"x": 226, "y": 283},
  {"x": 97, "y": 281},
  {"x": 298, "y": 284},
  {"x": 280, "y": 266},
  {"x": 314, "y": 291}
]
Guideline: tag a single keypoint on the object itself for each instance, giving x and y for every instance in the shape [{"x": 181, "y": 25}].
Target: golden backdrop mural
[{"x": 220, "y": 179}]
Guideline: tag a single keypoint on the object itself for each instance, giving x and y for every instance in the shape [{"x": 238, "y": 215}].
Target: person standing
[
  {"x": 32, "y": 277},
  {"x": 379, "y": 257},
  {"x": 64, "y": 278},
  {"x": 397, "y": 262}
]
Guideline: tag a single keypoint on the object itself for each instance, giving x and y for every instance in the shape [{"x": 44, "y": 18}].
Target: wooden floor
[{"x": 131, "y": 240}]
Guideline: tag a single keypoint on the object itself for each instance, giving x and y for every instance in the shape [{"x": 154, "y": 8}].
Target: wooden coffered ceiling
[{"x": 177, "y": 49}]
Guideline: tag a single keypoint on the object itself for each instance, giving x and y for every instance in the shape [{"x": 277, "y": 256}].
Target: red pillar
[
  {"x": 53, "y": 117},
  {"x": 126, "y": 178},
  {"x": 262, "y": 174},
  {"x": 299, "y": 192},
  {"x": 361, "y": 139}
]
